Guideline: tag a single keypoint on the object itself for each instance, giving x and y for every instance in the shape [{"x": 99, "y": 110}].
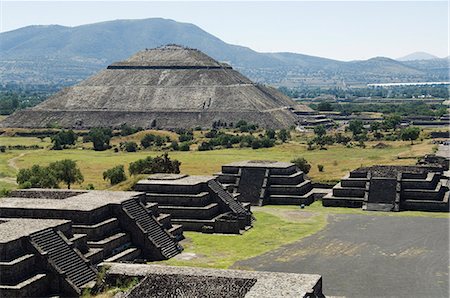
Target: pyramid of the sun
[{"x": 166, "y": 87}]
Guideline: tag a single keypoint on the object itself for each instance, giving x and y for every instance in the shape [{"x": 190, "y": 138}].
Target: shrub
[
  {"x": 283, "y": 135},
  {"x": 90, "y": 186},
  {"x": 184, "y": 146},
  {"x": 147, "y": 140},
  {"x": 115, "y": 175},
  {"x": 100, "y": 137},
  {"x": 302, "y": 164},
  {"x": 204, "y": 146},
  {"x": 175, "y": 145},
  {"x": 37, "y": 177},
  {"x": 130, "y": 146},
  {"x": 320, "y": 168},
  {"x": 159, "y": 164},
  {"x": 63, "y": 139}
]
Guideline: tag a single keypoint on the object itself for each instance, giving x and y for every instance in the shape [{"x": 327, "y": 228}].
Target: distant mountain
[
  {"x": 65, "y": 55},
  {"x": 418, "y": 56}
]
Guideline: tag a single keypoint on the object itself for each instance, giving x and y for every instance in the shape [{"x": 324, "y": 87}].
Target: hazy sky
[{"x": 339, "y": 30}]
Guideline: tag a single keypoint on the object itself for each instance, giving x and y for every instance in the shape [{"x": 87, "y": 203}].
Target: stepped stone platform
[
  {"x": 41, "y": 257},
  {"x": 392, "y": 188},
  {"x": 168, "y": 281},
  {"x": 262, "y": 182},
  {"x": 106, "y": 225},
  {"x": 198, "y": 203}
]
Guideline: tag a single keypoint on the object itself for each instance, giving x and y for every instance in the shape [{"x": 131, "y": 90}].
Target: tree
[
  {"x": 410, "y": 134},
  {"x": 324, "y": 106},
  {"x": 100, "y": 137},
  {"x": 174, "y": 145},
  {"x": 270, "y": 133},
  {"x": 38, "y": 177},
  {"x": 115, "y": 175},
  {"x": 283, "y": 135},
  {"x": 159, "y": 164},
  {"x": 391, "y": 121},
  {"x": 63, "y": 139},
  {"x": 302, "y": 164},
  {"x": 67, "y": 171},
  {"x": 356, "y": 127},
  {"x": 320, "y": 131},
  {"x": 184, "y": 146},
  {"x": 130, "y": 146},
  {"x": 147, "y": 140}
]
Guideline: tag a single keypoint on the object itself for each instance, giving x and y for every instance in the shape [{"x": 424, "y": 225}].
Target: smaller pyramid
[{"x": 167, "y": 87}]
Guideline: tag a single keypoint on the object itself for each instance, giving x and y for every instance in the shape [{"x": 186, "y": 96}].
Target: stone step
[
  {"x": 177, "y": 231},
  {"x": 17, "y": 269},
  {"x": 128, "y": 254},
  {"x": 205, "y": 212},
  {"x": 110, "y": 243},
  {"x": 298, "y": 189},
  {"x": 99, "y": 230},
  {"x": 94, "y": 255},
  {"x": 34, "y": 286},
  {"x": 199, "y": 199},
  {"x": 305, "y": 199},
  {"x": 165, "y": 220}
]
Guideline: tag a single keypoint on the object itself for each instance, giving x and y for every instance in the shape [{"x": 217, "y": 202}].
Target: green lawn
[
  {"x": 269, "y": 233},
  {"x": 337, "y": 160}
]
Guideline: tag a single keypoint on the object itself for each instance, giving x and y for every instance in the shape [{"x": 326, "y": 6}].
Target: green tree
[
  {"x": 391, "y": 121},
  {"x": 100, "y": 137},
  {"x": 147, "y": 140},
  {"x": 67, "y": 171},
  {"x": 302, "y": 164},
  {"x": 320, "y": 131},
  {"x": 283, "y": 135},
  {"x": 130, "y": 146},
  {"x": 270, "y": 133},
  {"x": 159, "y": 164},
  {"x": 38, "y": 177},
  {"x": 63, "y": 139},
  {"x": 115, "y": 175},
  {"x": 410, "y": 134},
  {"x": 356, "y": 127}
]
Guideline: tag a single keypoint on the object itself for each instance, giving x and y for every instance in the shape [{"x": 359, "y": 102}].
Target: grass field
[
  {"x": 337, "y": 160},
  {"x": 269, "y": 233}
]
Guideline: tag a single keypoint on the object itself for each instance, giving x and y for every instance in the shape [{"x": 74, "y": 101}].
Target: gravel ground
[{"x": 370, "y": 256}]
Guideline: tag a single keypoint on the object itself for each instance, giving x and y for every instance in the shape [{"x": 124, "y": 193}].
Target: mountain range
[{"x": 54, "y": 54}]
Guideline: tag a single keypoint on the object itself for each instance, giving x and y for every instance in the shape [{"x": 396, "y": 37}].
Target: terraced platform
[
  {"x": 198, "y": 203},
  {"x": 262, "y": 182},
  {"x": 392, "y": 188}
]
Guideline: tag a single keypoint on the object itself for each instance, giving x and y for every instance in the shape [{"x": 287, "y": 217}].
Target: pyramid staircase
[
  {"x": 63, "y": 258},
  {"x": 227, "y": 198},
  {"x": 165, "y": 243}
]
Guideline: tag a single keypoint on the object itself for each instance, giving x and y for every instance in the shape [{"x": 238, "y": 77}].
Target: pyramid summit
[{"x": 166, "y": 87}]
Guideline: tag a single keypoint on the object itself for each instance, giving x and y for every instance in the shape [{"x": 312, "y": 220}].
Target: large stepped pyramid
[{"x": 166, "y": 87}]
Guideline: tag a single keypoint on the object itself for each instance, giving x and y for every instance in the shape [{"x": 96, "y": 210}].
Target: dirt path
[{"x": 12, "y": 161}]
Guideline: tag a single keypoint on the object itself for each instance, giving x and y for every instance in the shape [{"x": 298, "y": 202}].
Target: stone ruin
[
  {"x": 198, "y": 203},
  {"x": 167, "y": 87},
  {"x": 168, "y": 281},
  {"x": 75, "y": 231},
  {"x": 392, "y": 188},
  {"x": 260, "y": 182}
]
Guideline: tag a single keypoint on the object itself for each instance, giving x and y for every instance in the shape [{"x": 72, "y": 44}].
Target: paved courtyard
[{"x": 370, "y": 256}]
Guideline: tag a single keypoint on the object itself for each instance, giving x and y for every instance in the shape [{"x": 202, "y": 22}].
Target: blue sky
[{"x": 336, "y": 29}]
